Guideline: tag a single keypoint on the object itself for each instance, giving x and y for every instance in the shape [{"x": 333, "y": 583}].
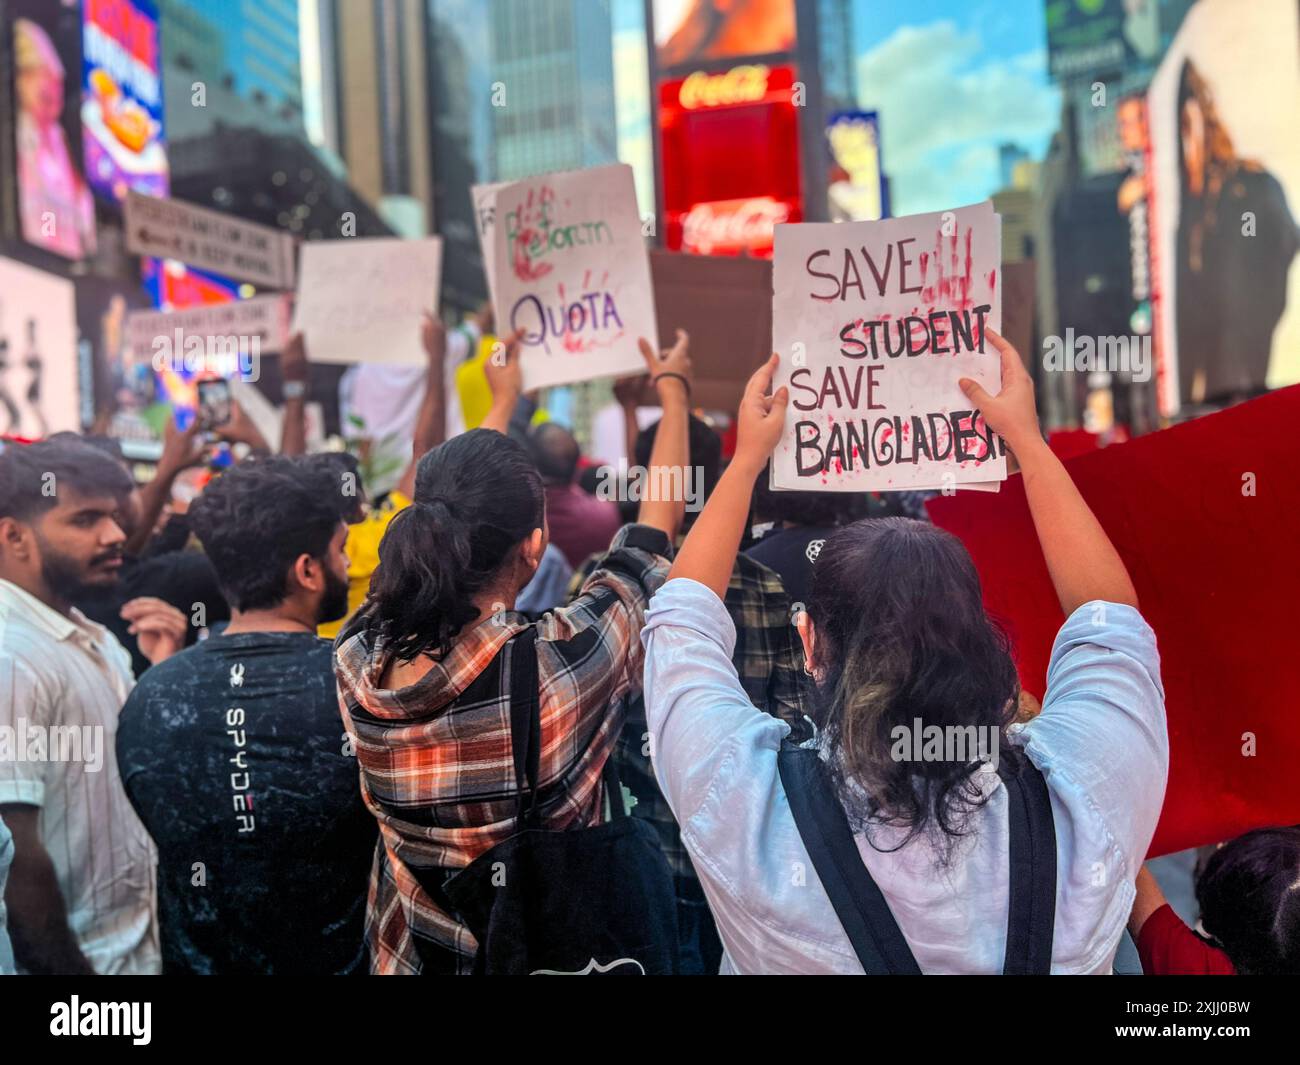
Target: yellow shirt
[{"x": 363, "y": 556}]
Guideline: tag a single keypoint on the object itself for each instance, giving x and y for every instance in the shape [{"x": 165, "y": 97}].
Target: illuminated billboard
[
  {"x": 695, "y": 32},
  {"x": 857, "y": 191},
  {"x": 122, "y": 100},
  {"x": 730, "y": 149},
  {"x": 1223, "y": 110},
  {"x": 56, "y": 210}
]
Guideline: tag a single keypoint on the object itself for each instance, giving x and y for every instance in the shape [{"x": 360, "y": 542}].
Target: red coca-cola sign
[{"x": 730, "y": 150}]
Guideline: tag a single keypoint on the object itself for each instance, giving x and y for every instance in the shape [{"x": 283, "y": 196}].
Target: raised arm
[
  {"x": 181, "y": 450},
  {"x": 506, "y": 380},
  {"x": 671, "y": 375},
  {"x": 431, "y": 422},
  {"x": 709, "y": 552},
  {"x": 1082, "y": 561},
  {"x": 293, "y": 372},
  {"x": 628, "y": 391}
]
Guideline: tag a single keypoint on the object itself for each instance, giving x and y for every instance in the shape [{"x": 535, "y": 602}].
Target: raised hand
[
  {"x": 1011, "y": 413},
  {"x": 761, "y": 417}
]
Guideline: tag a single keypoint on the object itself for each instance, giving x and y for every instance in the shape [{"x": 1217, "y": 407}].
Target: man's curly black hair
[{"x": 258, "y": 518}]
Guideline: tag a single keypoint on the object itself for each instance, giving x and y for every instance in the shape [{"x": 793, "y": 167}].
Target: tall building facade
[
  {"x": 252, "y": 42},
  {"x": 368, "y": 97},
  {"x": 515, "y": 88},
  {"x": 553, "y": 86}
]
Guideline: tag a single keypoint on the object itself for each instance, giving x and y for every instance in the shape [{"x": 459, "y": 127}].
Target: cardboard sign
[
  {"x": 256, "y": 326},
  {"x": 571, "y": 271},
  {"x": 724, "y": 303},
  {"x": 208, "y": 240},
  {"x": 875, "y": 323},
  {"x": 360, "y": 300},
  {"x": 485, "y": 213},
  {"x": 1203, "y": 516}
]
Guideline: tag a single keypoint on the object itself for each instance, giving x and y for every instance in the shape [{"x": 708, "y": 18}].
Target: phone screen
[{"x": 214, "y": 403}]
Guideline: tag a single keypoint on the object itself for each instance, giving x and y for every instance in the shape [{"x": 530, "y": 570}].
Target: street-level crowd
[{"x": 491, "y": 723}]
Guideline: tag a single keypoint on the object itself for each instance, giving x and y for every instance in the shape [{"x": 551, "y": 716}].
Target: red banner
[{"x": 1205, "y": 517}]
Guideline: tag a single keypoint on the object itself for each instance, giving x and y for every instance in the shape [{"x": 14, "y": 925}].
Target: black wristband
[{"x": 680, "y": 377}]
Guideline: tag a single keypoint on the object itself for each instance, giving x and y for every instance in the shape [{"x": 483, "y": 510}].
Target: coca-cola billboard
[{"x": 730, "y": 149}]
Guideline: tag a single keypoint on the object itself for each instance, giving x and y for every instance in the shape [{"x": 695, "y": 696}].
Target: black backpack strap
[
  {"x": 857, "y": 900},
  {"x": 525, "y": 722},
  {"x": 1031, "y": 910}
]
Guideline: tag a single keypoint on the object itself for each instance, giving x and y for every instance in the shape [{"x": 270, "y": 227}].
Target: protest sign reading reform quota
[
  {"x": 875, "y": 323},
  {"x": 571, "y": 273}
]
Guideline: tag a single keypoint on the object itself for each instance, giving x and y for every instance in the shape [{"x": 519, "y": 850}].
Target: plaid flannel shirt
[
  {"x": 769, "y": 663},
  {"x": 436, "y": 764}
]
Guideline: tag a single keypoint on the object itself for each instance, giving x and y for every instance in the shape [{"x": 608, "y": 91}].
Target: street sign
[{"x": 209, "y": 240}]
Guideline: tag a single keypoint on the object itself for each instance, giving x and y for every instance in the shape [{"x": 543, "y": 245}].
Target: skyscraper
[
  {"x": 254, "y": 43},
  {"x": 553, "y": 86}
]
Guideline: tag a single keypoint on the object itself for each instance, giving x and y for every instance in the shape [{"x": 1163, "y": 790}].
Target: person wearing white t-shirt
[{"x": 80, "y": 895}]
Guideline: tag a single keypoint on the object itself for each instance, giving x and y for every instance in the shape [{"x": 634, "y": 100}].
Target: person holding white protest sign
[{"x": 922, "y": 831}]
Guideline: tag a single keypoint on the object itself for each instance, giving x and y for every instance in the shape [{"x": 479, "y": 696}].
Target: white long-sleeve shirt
[{"x": 1100, "y": 742}]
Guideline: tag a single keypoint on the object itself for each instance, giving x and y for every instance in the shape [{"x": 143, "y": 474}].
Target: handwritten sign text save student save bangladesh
[
  {"x": 875, "y": 323},
  {"x": 572, "y": 274}
]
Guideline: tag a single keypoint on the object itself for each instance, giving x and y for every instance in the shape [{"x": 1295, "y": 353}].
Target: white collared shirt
[
  {"x": 1100, "y": 742},
  {"x": 63, "y": 681}
]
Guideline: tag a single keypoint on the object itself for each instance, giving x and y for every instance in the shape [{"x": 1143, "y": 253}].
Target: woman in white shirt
[{"x": 897, "y": 640}]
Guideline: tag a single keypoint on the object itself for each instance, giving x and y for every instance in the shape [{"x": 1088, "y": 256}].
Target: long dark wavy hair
[
  {"x": 901, "y": 634},
  {"x": 476, "y": 497}
]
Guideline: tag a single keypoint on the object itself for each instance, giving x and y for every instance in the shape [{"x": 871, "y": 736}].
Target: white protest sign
[
  {"x": 875, "y": 323},
  {"x": 220, "y": 338},
  {"x": 485, "y": 213},
  {"x": 360, "y": 300},
  {"x": 208, "y": 240},
  {"x": 573, "y": 274}
]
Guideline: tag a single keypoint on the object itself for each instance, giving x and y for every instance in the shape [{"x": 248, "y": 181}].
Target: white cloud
[{"x": 944, "y": 109}]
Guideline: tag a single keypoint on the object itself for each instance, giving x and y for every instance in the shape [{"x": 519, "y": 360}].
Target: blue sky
[{"x": 952, "y": 80}]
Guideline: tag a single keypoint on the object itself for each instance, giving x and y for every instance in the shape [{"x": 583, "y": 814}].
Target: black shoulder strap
[
  {"x": 857, "y": 900},
  {"x": 1031, "y": 912},
  {"x": 526, "y": 734},
  {"x": 525, "y": 721}
]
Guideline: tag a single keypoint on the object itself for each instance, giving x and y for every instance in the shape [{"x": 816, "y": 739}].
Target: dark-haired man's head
[
  {"x": 344, "y": 473},
  {"x": 705, "y": 456},
  {"x": 1249, "y": 894},
  {"x": 275, "y": 534},
  {"x": 61, "y": 519},
  {"x": 812, "y": 509},
  {"x": 555, "y": 451}
]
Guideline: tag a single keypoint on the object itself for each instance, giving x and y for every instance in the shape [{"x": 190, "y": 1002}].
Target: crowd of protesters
[{"x": 280, "y": 730}]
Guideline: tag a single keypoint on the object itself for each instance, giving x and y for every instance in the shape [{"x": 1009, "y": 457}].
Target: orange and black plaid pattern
[{"x": 436, "y": 764}]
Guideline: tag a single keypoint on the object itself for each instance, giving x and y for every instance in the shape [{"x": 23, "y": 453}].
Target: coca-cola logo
[
  {"x": 745, "y": 84},
  {"x": 733, "y": 225}
]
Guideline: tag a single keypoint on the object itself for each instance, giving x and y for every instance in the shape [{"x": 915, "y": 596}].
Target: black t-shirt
[
  {"x": 791, "y": 553},
  {"x": 234, "y": 755},
  {"x": 184, "y": 578}
]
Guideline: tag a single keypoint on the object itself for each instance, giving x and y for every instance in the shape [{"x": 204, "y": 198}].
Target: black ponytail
[{"x": 476, "y": 497}]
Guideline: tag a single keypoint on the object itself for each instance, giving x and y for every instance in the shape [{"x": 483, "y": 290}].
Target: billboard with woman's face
[
  {"x": 55, "y": 207},
  {"x": 1224, "y": 111}
]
